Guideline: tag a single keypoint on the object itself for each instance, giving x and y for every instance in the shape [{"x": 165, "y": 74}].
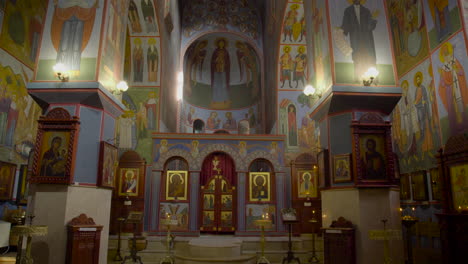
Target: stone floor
[{"x": 249, "y": 250}]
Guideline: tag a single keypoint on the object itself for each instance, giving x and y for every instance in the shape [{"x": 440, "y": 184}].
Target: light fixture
[
  {"x": 309, "y": 90},
  {"x": 61, "y": 72},
  {"x": 369, "y": 76},
  {"x": 120, "y": 88}
]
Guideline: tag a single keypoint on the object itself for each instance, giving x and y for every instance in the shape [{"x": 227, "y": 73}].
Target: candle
[{"x": 413, "y": 210}]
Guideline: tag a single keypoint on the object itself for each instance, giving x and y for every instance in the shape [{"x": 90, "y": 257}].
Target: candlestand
[
  {"x": 313, "y": 259},
  {"x": 263, "y": 223},
  {"x": 290, "y": 258},
  {"x": 29, "y": 231},
  {"x": 408, "y": 222},
  {"x": 168, "y": 258},
  {"x": 118, "y": 257}
]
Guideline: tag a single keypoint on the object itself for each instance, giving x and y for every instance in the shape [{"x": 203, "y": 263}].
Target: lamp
[
  {"x": 309, "y": 90},
  {"x": 369, "y": 76},
  {"x": 120, "y": 88},
  {"x": 61, "y": 72}
]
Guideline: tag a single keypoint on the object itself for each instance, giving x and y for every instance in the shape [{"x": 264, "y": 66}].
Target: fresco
[
  {"x": 255, "y": 211},
  {"x": 21, "y": 29},
  {"x": 294, "y": 24},
  {"x": 409, "y": 36},
  {"x": 442, "y": 20},
  {"x": 71, "y": 36},
  {"x": 136, "y": 124},
  {"x": 450, "y": 69},
  {"x": 240, "y": 121},
  {"x": 302, "y": 133},
  {"x": 219, "y": 71},
  {"x": 176, "y": 211},
  {"x": 322, "y": 79},
  {"x": 292, "y": 67},
  {"x": 360, "y": 43},
  {"x": 145, "y": 57},
  {"x": 416, "y": 127},
  {"x": 234, "y": 16},
  {"x": 112, "y": 55},
  {"x": 142, "y": 18},
  {"x": 18, "y": 115}
]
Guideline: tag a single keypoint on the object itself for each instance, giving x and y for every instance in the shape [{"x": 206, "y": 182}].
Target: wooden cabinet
[{"x": 84, "y": 238}]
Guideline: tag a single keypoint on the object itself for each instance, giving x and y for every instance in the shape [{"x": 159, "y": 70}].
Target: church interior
[{"x": 233, "y": 131}]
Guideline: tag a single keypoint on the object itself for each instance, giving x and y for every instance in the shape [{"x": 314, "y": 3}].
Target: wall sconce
[
  {"x": 369, "y": 76},
  {"x": 309, "y": 90},
  {"x": 61, "y": 72},
  {"x": 120, "y": 88}
]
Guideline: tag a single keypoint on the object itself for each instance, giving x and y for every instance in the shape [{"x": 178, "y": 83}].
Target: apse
[{"x": 222, "y": 84}]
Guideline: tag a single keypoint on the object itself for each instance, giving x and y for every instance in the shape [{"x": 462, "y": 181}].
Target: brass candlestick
[
  {"x": 262, "y": 223},
  {"x": 313, "y": 258},
  {"x": 168, "y": 222}
]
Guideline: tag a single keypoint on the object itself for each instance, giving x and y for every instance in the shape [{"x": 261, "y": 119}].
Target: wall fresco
[
  {"x": 360, "y": 43},
  {"x": 241, "y": 121},
  {"x": 450, "y": 65},
  {"x": 416, "y": 120},
  {"x": 18, "y": 112},
  {"x": 442, "y": 20},
  {"x": 71, "y": 36},
  {"x": 302, "y": 133},
  {"x": 112, "y": 50},
  {"x": 136, "y": 124},
  {"x": 409, "y": 35},
  {"x": 219, "y": 71},
  {"x": 322, "y": 77},
  {"x": 22, "y": 28}
]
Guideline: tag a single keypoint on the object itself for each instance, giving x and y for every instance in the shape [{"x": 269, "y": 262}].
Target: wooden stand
[
  {"x": 135, "y": 219},
  {"x": 290, "y": 258},
  {"x": 84, "y": 240}
]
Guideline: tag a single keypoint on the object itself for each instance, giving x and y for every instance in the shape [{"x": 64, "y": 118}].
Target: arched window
[{"x": 198, "y": 126}]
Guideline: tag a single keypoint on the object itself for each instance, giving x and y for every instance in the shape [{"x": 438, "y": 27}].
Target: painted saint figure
[
  {"x": 212, "y": 122},
  {"x": 300, "y": 67},
  {"x": 441, "y": 16},
  {"x": 374, "y": 162},
  {"x": 453, "y": 89},
  {"x": 134, "y": 18},
  {"x": 292, "y": 126},
  {"x": 152, "y": 58},
  {"x": 151, "y": 110},
  {"x": 137, "y": 61},
  {"x": 358, "y": 23},
  {"x": 148, "y": 15},
  {"x": 286, "y": 66},
  {"x": 54, "y": 159},
  {"x": 176, "y": 186},
  {"x": 422, "y": 105},
  {"x": 230, "y": 122},
  {"x": 289, "y": 21},
  {"x": 220, "y": 71},
  {"x": 259, "y": 188}
]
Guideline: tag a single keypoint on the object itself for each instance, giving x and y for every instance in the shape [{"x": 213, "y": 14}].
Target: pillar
[{"x": 93, "y": 65}]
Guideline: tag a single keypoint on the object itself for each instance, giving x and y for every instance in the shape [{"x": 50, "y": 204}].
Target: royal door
[{"x": 218, "y": 195}]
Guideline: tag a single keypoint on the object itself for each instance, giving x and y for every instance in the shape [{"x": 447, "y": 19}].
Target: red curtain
[{"x": 225, "y": 164}]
